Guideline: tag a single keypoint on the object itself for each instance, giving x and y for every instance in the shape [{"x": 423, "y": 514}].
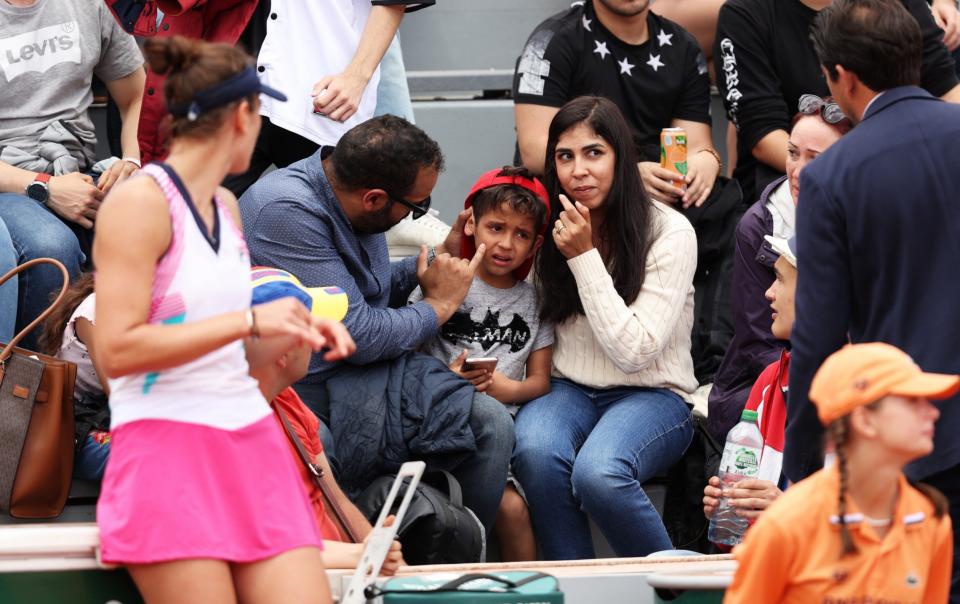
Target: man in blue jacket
[
  {"x": 878, "y": 228},
  {"x": 322, "y": 219}
]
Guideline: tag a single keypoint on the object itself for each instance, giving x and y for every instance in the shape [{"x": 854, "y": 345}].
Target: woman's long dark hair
[{"x": 627, "y": 212}]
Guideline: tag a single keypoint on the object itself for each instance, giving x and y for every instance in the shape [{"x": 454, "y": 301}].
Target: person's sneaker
[{"x": 406, "y": 237}]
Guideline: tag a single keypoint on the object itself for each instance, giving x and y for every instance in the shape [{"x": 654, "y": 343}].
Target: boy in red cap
[
  {"x": 858, "y": 531},
  {"x": 499, "y": 318}
]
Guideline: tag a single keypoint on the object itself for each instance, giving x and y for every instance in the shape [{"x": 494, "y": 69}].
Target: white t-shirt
[
  {"x": 75, "y": 351},
  {"x": 305, "y": 42}
]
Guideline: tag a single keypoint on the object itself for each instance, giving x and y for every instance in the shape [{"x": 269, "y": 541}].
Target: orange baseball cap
[{"x": 859, "y": 374}]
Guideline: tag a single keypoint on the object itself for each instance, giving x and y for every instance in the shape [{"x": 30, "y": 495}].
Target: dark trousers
[
  {"x": 482, "y": 475},
  {"x": 275, "y": 147},
  {"x": 948, "y": 483}
]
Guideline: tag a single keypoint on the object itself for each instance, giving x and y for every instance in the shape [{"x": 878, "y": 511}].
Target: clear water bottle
[{"x": 741, "y": 459}]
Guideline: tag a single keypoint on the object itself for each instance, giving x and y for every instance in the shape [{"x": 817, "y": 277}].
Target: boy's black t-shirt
[
  {"x": 764, "y": 61},
  {"x": 572, "y": 54}
]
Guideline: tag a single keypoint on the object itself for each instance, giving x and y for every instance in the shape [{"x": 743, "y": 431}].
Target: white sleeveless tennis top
[{"x": 200, "y": 276}]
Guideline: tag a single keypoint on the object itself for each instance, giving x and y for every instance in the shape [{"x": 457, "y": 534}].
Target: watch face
[{"x": 38, "y": 191}]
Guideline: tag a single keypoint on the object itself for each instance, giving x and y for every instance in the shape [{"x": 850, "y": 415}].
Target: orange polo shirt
[{"x": 792, "y": 554}]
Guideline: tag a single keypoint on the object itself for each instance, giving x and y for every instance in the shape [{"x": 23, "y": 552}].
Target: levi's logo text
[{"x": 40, "y": 50}]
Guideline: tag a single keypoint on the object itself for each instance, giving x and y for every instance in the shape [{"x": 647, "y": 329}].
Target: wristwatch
[{"x": 39, "y": 189}]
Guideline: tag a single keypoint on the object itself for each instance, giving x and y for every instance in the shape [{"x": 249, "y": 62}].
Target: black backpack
[{"x": 437, "y": 528}]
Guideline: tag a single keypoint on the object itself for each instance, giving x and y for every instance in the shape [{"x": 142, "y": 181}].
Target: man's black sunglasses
[{"x": 418, "y": 209}]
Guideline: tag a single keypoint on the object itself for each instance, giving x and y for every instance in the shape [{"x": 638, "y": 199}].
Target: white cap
[{"x": 786, "y": 249}]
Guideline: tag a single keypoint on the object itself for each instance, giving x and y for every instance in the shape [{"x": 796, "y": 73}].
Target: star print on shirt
[
  {"x": 655, "y": 62},
  {"x": 586, "y": 23},
  {"x": 664, "y": 39},
  {"x": 626, "y": 67},
  {"x": 601, "y": 49}
]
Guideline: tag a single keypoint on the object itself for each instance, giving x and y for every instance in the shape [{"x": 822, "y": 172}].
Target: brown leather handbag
[{"x": 36, "y": 420}]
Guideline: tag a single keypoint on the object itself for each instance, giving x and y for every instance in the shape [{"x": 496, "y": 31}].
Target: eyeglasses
[
  {"x": 418, "y": 209},
  {"x": 830, "y": 112}
]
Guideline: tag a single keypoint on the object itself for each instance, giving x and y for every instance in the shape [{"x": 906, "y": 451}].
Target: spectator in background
[
  {"x": 616, "y": 279},
  {"x": 209, "y": 20},
  {"x": 51, "y": 184},
  {"x": 326, "y": 56},
  {"x": 819, "y": 124},
  {"x": 699, "y": 17},
  {"x": 276, "y": 363},
  {"x": 764, "y": 62},
  {"x": 768, "y": 397},
  {"x": 322, "y": 219},
  {"x": 877, "y": 227},
  {"x": 656, "y": 73}
]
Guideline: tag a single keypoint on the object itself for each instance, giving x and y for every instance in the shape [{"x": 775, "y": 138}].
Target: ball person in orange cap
[{"x": 858, "y": 531}]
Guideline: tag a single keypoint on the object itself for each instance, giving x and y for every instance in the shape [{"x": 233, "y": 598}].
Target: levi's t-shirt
[
  {"x": 572, "y": 54},
  {"x": 49, "y": 53}
]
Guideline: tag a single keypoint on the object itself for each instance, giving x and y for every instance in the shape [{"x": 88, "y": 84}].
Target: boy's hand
[
  {"x": 475, "y": 376},
  {"x": 497, "y": 385}
]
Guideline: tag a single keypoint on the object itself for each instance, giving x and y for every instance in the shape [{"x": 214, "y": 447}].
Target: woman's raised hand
[
  {"x": 287, "y": 316},
  {"x": 572, "y": 231}
]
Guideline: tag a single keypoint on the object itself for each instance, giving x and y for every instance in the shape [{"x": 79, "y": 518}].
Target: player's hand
[{"x": 339, "y": 342}]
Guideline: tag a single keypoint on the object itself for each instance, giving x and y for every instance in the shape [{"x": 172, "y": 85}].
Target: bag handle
[
  {"x": 317, "y": 474},
  {"x": 453, "y": 488},
  {"x": 8, "y": 349},
  {"x": 455, "y": 584}
]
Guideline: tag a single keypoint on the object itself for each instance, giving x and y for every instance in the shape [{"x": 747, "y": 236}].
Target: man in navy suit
[{"x": 878, "y": 228}]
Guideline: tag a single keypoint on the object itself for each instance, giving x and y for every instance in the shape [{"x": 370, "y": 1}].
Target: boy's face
[
  {"x": 780, "y": 295},
  {"x": 511, "y": 238}
]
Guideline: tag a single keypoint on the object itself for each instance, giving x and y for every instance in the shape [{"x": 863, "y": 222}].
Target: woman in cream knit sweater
[{"x": 617, "y": 279}]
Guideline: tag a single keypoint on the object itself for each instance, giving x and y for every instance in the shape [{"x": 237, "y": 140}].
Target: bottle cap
[{"x": 748, "y": 415}]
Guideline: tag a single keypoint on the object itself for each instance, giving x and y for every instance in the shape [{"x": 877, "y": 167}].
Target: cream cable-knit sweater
[{"x": 646, "y": 343}]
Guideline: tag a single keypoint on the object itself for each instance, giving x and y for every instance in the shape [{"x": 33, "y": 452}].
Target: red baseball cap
[{"x": 492, "y": 179}]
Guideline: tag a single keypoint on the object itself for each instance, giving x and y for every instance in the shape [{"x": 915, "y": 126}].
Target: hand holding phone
[{"x": 488, "y": 364}]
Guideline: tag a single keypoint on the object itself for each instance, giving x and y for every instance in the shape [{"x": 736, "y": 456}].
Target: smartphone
[{"x": 474, "y": 363}]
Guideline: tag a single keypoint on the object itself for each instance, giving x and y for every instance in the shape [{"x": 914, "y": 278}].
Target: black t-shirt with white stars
[{"x": 572, "y": 54}]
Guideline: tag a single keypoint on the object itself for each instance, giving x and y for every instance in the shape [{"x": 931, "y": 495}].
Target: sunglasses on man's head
[
  {"x": 830, "y": 112},
  {"x": 417, "y": 209}
]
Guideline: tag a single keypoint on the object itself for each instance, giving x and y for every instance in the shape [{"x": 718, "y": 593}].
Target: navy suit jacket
[{"x": 878, "y": 247}]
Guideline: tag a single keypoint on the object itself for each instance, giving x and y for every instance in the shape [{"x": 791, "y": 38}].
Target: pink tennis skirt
[{"x": 175, "y": 490}]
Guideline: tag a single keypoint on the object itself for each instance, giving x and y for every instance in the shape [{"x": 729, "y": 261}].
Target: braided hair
[{"x": 839, "y": 433}]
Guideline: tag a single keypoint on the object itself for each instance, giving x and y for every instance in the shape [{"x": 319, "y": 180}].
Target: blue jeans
[
  {"x": 91, "y": 459},
  {"x": 36, "y": 232},
  {"x": 393, "y": 93},
  {"x": 482, "y": 476},
  {"x": 582, "y": 451},
  {"x": 8, "y": 291}
]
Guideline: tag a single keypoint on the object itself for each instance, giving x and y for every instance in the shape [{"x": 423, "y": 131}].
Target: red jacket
[
  {"x": 210, "y": 20},
  {"x": 768, "y": 398}
]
